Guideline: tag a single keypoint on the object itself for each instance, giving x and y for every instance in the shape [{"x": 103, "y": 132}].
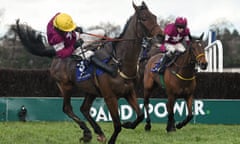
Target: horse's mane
[
  {"x": 128, "y": 21},
  {"x": 123, "y": 32},
  {"x": 32, "y": 40},
  {"x": 125, "y": 28}
]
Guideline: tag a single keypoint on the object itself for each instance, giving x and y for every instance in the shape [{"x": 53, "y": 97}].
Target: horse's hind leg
[
  {"x": 148, "y": 86},
  {"x": 85, "y": 108},
  {"x": 190, "y": 115},
  {"x": 171, "y": 121},
  {"x": 132, "y": 100},
  {"x": 67, "y": 109},
  {"x": 147, "y": 94}
]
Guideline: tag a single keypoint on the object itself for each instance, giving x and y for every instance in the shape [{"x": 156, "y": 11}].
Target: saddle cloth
[
  {"x": 84, "y": 70},
  {"x": 157, "y": 66}
]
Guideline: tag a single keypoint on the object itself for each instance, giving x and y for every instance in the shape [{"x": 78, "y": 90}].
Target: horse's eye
[{"x": 144, "y": 18}]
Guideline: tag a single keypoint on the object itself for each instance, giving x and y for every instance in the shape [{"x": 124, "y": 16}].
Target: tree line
[{"x": 13, "y": 55}]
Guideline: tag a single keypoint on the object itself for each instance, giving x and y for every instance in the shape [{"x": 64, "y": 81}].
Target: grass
[{"x": 69, "y": 133}]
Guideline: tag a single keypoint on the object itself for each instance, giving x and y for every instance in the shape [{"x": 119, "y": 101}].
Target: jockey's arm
[{"x": 187, "y": 39}]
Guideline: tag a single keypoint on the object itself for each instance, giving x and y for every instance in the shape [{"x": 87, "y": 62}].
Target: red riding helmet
[{"x": 181, "y": 22}]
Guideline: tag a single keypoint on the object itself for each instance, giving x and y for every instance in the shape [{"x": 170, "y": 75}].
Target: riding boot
[
  {"x": 110, "y": 70},
  {"x": 164, "y": 61}
]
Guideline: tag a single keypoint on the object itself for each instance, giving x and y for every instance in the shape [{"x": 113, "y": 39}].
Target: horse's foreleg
[
  {"x": 190, "y": 115},
  {"x": 85, "y": 108},
  {"x": 146, "y": 106},
  {"x": 67, "y": 109},
  {"x": 132, "y": 100},
  {"x": 171, "y": 120},
  {"x": 112, "y": 104}
]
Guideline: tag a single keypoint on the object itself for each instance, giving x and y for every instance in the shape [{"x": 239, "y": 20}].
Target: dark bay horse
[
  {"x": 179, "y": 80},
  {"x": 127, "y": 48}
]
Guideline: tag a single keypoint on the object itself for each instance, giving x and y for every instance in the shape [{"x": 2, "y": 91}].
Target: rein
[
  {"x": 106, "y": 39},
  {"x": 183, "y": 78},
  {"x": 186, "y": 78}
]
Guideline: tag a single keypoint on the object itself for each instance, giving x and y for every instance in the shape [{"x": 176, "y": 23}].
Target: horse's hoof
[
  {"x": 102, "y": 139},
  {"x": 127, "y": 125},
  {"x": 87, "y": 137},
  {"x": 148, "y": 127},
  {"x": 179, "y": 126},
  {"x": 85, "y": 140},
  {"x": 171, "y": 129}
]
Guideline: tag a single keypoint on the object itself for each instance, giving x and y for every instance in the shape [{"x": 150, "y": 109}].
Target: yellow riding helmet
[{"x": 64, "y": 22}]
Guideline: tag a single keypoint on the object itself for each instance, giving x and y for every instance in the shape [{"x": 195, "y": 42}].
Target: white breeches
[
  {"x": 83, "y": 53},
  {"x": 171, "y": 48}
]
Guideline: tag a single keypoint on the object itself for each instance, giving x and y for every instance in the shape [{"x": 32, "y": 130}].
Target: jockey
[
  {"x": 64, "y": 36},
  {"x": 175, "y": 33}
]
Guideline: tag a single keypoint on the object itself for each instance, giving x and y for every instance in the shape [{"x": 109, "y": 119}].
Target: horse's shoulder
[
  {"x": 105, "y": 51},
  {"x": 158, "y": 55},
  {"x": 155, "y": 58}
]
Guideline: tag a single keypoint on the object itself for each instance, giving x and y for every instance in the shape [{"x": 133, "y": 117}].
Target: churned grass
[{"x": 69, "y": 133}]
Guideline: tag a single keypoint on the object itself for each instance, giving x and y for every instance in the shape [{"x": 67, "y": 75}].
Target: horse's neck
[
  {"x": 183, "y": 64},
  {"x": 129, "y": 49}
]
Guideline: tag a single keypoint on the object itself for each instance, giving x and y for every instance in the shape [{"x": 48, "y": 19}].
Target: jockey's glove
[
  {"x": 78, "y": 43},
  {"x": 79, "y": 29}
]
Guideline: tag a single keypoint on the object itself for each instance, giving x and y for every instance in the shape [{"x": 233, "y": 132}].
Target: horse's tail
[{"x": 33, "y": 41}]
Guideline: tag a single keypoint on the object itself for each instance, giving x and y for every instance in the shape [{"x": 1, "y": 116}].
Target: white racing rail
[{"x": 214, "y": 55}]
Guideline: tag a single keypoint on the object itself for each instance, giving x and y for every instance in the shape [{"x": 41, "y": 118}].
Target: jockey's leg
[
  {"x": 110, "y": 70},
  {"x": 180, "y": 47},
  {"x": 167, "y": 57}
]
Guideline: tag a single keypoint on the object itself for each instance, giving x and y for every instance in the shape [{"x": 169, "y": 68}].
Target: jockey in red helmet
[{"x": 175, "y": 34}]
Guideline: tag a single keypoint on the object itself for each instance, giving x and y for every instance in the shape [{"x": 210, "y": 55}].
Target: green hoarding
[{"x": 50, "y": 109}]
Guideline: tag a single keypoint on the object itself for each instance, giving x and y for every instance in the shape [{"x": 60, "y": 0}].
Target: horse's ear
[
  {"x": 135, "y": 7},
  {"x": 144, "y": 5},
  {"x": 201, "y": 37}
]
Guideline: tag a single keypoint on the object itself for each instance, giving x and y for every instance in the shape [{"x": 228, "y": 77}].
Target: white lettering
[
  {"x": 101, "y": 115},
  {"x": 150, "y": 110},
  {"x": 93, "y": 112},
  {"x": 179, "y": 108},
  {"x": 198, "y": 107},
  {"x": 158, "y": 112},
  {"x": 126, "y": 112},
  {"x": 109, "y": 116}
]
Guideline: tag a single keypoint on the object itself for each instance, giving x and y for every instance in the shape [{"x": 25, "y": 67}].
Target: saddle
[
  {"x": 84, "y": 69},
  {"x": 168, "y": 64}
]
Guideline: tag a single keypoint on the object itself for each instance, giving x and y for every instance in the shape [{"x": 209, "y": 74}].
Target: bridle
[
  {"x": 194, "y": 59},
  {"x": 145, "y": 32}
]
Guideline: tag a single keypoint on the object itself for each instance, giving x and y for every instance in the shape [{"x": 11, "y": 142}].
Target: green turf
[{"x": 69, "y": 133}]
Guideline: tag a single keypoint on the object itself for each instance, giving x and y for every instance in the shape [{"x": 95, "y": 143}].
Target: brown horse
[
  {"x": 179, "y": 80},
  {"x": 127, "y": 48}
]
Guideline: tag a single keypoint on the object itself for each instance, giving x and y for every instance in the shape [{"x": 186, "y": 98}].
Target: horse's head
[
  {"x": 147, "y": 20},
  {"x": 197, "y": 46}
]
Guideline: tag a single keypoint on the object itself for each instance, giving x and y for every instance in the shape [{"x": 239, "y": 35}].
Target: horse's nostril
[{"x": 203, "y": 66}]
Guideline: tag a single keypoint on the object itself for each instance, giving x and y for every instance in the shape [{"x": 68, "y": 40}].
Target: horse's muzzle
[{"x": 203, "y": 66}]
